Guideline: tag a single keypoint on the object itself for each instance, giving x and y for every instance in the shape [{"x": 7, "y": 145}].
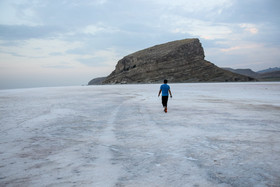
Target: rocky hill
[{"x": 177, "y": 61}]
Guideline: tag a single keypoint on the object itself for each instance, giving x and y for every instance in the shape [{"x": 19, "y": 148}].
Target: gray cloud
[
  {"x": 254, "y": 11},
  {"x": 23, "y": 32},
  {"x": 76, "y": 31},
  {"x": 94, "y": 61}
]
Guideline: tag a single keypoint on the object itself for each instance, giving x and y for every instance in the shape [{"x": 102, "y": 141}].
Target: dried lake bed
[{"x": 214, "y": 134}]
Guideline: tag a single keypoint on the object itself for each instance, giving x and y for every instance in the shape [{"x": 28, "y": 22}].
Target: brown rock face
[{"x": 178, "y": 61}]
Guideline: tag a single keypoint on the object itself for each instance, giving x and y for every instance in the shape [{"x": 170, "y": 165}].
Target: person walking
[{"x": 164, "y": 91}]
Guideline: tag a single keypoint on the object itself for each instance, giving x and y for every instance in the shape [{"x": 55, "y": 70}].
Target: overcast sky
[{"x": 69, "y": 42}]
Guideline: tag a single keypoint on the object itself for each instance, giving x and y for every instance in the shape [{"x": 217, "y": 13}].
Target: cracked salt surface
[{"x": 215, "y": 134}]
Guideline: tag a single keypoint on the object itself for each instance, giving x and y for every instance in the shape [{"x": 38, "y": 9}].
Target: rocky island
[{"x": 178, "y": 61}]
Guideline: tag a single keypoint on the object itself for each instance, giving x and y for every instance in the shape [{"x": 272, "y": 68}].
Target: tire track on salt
[{"x": 106, "y": 173}]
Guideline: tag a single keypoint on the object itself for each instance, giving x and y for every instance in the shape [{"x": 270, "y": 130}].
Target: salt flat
[{"x": 214, "y": 134}]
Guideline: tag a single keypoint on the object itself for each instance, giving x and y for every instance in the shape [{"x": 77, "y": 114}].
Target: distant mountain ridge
[
  {"x": 270, "y": 74},
  {"x": 246, "y": 72},
  {"x": 269, "y": 70},
  {"x": 96, "y": 81}
]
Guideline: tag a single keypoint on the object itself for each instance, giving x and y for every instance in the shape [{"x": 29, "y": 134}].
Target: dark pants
[{"x": 164, "y": 101}]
